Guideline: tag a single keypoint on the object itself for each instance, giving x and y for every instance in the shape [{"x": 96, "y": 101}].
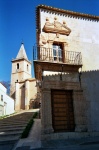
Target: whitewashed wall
[
  {"x": 10, "y": 105},
  {"x": 84, "y": 37},
  {"x": 7, "y": 105},
  {"x": 90, "y": 86}
]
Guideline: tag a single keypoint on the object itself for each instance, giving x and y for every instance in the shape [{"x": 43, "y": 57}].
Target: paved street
[
  {"x": 6, "y": 147},
  {"x": 73, "y": 147},
  {"x": 79, "y": 147}
]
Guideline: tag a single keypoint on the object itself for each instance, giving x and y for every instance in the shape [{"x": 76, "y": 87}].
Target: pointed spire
[{"x": 22, "y": 52}]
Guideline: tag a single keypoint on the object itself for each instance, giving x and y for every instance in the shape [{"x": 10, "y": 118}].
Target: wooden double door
[{"x": 62, "y": 111}]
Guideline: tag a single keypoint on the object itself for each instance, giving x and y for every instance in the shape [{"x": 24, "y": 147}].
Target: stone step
[
  {"x": 8, "y": 140},
  {"x": 12, "y": 123},
  {"x": 18, "y": 117},
  {"x": 13, "y": 119},
  {"x": 14, "y": 126},
  {"x": 12, "y": 133},
  {"x": 12, "y": 129},
  {"x": 25, "y": 116}
]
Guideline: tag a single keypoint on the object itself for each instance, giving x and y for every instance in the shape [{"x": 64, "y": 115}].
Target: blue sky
[{"x": 18, "y": 23}]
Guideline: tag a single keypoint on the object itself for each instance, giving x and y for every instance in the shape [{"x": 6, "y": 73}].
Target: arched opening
[{"x": 17, "y": 65}]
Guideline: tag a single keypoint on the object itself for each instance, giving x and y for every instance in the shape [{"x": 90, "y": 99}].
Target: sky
[{"x": 18, "y": 24}]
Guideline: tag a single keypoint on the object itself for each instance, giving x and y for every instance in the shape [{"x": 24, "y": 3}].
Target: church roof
[{"x": 22, "y": 52}]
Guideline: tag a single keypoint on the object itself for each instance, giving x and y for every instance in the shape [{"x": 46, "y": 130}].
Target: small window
[
  {"x": 27, "y": 67},
  {"x": 17, "y": 65},
  {"x": 1, "y": 97}
]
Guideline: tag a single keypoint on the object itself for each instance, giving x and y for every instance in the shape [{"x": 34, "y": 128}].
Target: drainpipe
[
  {"x": 61, "y": 73},
  {"x": 80, "y": 73}
]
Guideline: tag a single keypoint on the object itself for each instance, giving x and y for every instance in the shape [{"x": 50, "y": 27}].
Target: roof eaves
[{"x": 67, "y": 12}]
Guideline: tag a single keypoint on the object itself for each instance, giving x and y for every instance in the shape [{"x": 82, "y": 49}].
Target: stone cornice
[
  {"x": 67, "y": 12},
  {"x": 61, "y": 12},
  {"x": 20, "y": 59},
  {"x": 30, "y": 80}
]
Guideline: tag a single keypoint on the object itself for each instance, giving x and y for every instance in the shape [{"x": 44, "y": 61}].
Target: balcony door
[{"x": 57, "y": 52}]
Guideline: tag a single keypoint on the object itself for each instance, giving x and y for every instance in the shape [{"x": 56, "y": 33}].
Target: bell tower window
[
  {"x": 27, "y": 67},
  {"x": 17, "y": 65}
]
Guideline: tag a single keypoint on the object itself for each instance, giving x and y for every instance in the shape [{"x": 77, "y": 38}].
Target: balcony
[
  {"x": 57, "y": 56},
  {"x": 55, "y": 60}
]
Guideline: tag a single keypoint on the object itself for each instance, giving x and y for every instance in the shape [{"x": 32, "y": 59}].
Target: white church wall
[
  {"x": 33, "y": 90},
  {"x": 27, "y": 68}
]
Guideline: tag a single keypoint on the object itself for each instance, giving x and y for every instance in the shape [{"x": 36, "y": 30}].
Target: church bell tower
[{"x": 21, "y": 69}]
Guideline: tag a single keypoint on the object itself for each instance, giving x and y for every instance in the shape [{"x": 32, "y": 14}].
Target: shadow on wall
[
  {"x": 22, "y": 104},
  {"x": 13, "y": 95},
  {"x": 90, "y": 83},
  {"x": 90, "y": 86}
]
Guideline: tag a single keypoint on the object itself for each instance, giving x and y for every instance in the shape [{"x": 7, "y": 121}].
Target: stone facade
[
  {"x": 85, "y": 103},
  {"x": 69, "y": 32},
  {"x": 69, "y": 82}
]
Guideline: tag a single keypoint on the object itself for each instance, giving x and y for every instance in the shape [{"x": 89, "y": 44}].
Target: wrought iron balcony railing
[{"x": 53, "y": 55}]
